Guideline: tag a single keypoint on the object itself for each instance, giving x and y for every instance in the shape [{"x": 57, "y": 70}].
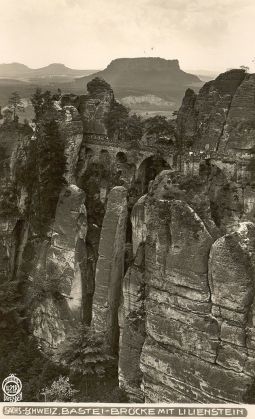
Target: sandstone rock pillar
[{"x": 110, "y": 266}]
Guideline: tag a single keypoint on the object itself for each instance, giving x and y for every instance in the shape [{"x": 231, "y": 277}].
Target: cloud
[{"x": 207, "y": 22}]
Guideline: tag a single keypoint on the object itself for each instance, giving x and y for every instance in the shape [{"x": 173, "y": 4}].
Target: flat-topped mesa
[
  {"x": 147, "y": 64},
  {"x": 142, "y": 76},
  {"x": 141, "y": 70}
]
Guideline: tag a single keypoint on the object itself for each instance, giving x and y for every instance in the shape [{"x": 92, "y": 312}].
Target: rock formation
[
  {"x": 187, "y": 355},
  {"x": 151, "y": 244},
  {"x": 110, "y": 266}
]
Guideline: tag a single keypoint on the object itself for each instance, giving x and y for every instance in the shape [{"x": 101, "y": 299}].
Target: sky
[{"x": 212, "y": 35}]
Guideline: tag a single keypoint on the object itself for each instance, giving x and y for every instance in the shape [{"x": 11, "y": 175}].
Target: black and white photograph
[{"x": 127, "y": 205}]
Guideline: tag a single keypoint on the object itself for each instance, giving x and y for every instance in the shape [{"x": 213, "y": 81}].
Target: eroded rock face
[
  {"x": 202, "y": 120},
  {"x": 132, "y": 328},
  {"x": 168, "y": 277},
  {"x": 138, "y": 220},
  {"x": 10, "y": 137},
  {"x": 173, "y": 376},
  {"x": 110, "y": 266},
  {"x": 239, "y": 130},
  {"x": 70, "y": 227},
  {"x": 58, "y": 272},
  {"x": 71, "y": 130},
  {"x": 198, "y": 293},
  {"x": 184, "y": 356},
  {"x": 132, "y": 308},
  {"x": 232, "y": 291},
  {"x": 93, "y": 109}
]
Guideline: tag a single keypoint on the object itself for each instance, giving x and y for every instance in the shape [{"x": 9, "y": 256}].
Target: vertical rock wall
[
  {"x": 178, "y": 308},
  {"x": 110, "y": 266},
  {"x": 132, "y": 324},
  {"x": 58, "y": 274}
]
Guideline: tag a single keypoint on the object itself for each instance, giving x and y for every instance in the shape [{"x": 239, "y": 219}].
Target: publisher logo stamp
[{"x": 12, "y": 387}]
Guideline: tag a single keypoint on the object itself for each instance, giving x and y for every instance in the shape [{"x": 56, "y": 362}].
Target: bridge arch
[
  {"x": 149, "y": 168},
  {"x": 121, "y": 157}
]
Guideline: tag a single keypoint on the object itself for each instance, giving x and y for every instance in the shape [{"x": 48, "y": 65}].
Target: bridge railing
[{"x": 104, "y": 141}]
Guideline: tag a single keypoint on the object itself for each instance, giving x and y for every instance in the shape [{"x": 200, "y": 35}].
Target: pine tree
[
  {"x": 97, "y": 86},
  {"x": 37, "y": 102},
  {"x": 116, "y": 119},
  {"x": 10, "y": 305},
  {"x": 49, "y": 162},
  {"x": 15, "y": 105},
  {"x": 61, "y": 390},
  {"x": 159, "y": 125},
  {"x": 86, "y": 354},
  {"x": 133, "y": 128}
]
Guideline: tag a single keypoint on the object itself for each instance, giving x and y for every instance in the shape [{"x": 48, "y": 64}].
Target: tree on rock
[
  {"x": 116, "y": 119},
  {"x": 86, "y": 355},
  {"x": 61, "y": 390},
  {"x": 159, "y": 125},
  {"x": 245, "y": 68},
  {"x": 48, "y": 161},
  {"x": 98, "y": 85},
  {"x": 15, "y": 105},
  {"x": 134, "y": 128}
]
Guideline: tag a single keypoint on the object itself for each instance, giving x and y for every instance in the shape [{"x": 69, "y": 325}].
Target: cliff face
[
  {"x": 110, "y": 266},
  {"x": 48, "y": 267},
  {"x": 9, "y": 214},
  {"x": 207, "y": 120},
  {"x": 197, "y": 311},
  {"x": 160, "y": 261}
]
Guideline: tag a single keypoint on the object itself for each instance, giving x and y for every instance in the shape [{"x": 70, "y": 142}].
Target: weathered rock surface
[
  {"x": 163, "y": 267},
  {"x": 239, "y": 129},
  {"x": 195, "y": 328},
  {"x": 58, "y": 272},
  {"x": 202, "y": 119},
  {"x": 173, "y": 376},
  {"x": 138, "y": 220},
  {"x": 93, "y": 109},
  {"x": 132, "y": 328},
  {"x": 70, "y": 227},
  {"x": 110, "y": 266},
  {"x": 71, "y": 130},
  {"x": 10, "y": 136}
]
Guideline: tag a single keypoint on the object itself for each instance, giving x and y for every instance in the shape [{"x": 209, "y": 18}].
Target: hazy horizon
[
  {"x": 100, "y": 69},
  {"x": 89, "y": 34}
]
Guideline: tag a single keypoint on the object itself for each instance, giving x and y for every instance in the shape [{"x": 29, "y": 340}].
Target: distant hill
[
  {"x": 146, "y": 85},
  {"x": 205, "y": 75},
  {"x": 17, "y": 70},
  {"x": 14, "y": 70},
  {"x": 59, "y": 70},
  {"x": 145, "y": 76}
]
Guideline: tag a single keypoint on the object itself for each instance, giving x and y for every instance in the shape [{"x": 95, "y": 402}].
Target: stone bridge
[
  {"x": 98, "y": 146},
  {"x": 141, "y": 155}
]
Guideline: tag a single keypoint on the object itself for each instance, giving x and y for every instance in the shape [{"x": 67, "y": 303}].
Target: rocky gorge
[{"x": 149, "y": 241}]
